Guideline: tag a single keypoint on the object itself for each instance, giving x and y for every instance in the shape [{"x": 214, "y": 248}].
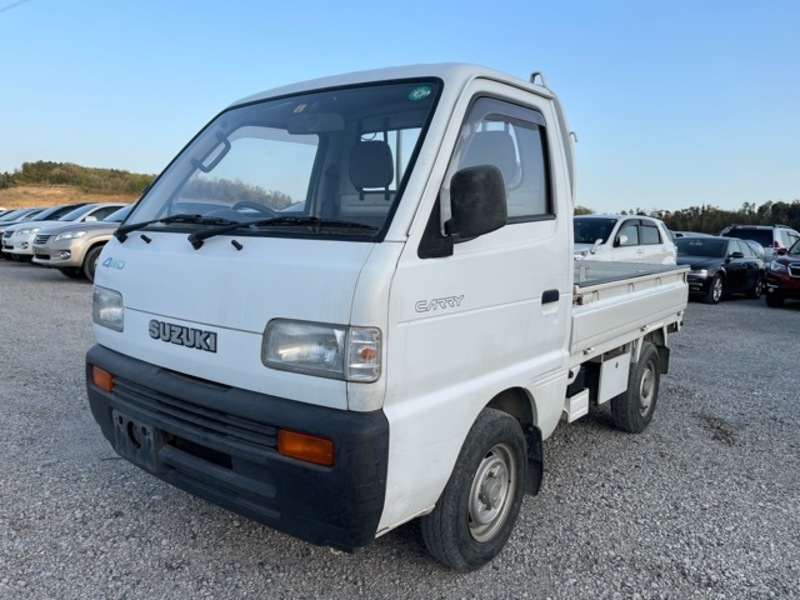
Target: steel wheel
[
  {"x": 633, "y": 409},
  {"x": 647, "y": 389},
  {"x": 492, "y": 492},
  {"x": 480, "y": 503}
]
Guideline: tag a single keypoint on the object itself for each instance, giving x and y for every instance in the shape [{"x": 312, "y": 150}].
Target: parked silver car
[
  {"x": 74, "y": 248},
  {"x": 18, "y": 239}
]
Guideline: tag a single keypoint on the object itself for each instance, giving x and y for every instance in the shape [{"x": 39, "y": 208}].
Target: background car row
[
  {"x": 743, "y": 259},
  {"x": 68, "y": 238}
]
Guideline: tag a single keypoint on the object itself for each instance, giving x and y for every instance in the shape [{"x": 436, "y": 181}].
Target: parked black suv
[
  {"x": 783, "y": 277},
  {"x": 772, "y": 237}
]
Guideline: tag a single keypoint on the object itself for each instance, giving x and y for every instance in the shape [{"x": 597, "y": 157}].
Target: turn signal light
[
  {"x": 102, "y": 379},
  {"x": 305, "y": 447}
]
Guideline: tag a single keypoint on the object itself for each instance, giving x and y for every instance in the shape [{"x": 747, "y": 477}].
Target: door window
[{"x": 512, "y": 138}]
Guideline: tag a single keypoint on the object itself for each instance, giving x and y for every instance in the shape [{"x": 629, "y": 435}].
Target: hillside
[
  {"x": 51, "y": 195},
  {"x": 45, "y": 183}
]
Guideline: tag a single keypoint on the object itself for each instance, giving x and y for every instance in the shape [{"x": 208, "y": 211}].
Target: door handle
[{"x": 550, "y": 296}]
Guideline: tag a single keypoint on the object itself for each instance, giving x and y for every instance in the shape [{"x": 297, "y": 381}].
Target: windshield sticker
[{"x": 419, "y": 93}]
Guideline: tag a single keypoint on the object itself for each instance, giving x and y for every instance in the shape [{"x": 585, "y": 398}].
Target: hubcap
[{"x": 492, "y": 492}]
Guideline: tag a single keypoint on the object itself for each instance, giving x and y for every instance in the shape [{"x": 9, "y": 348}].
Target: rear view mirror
[
  {"x": 315, "y": 123},
  {"x": 478, "y": 202}
]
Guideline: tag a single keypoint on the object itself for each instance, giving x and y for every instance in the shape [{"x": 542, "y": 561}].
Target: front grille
[
  {"x": 174, "y": 415},
  {"x": 41, "y": 240},
  {"x": 794, "y": 270}
]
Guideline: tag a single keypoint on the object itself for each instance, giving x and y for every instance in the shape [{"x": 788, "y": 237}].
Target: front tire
[
  {"x": 715, "y": 289},
  {"x": 71, "y": 272},
  {"x": 479, "y": 506},
  {"x": 633, "y": 409},
  {"x": 90, "y": 262},
  {"x": 774, "y": 300}
]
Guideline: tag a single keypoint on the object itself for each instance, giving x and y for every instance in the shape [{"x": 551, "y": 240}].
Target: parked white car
[{"x": 623, "y": 238}]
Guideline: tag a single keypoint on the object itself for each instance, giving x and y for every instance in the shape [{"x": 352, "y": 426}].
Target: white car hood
[{"x": 232, "y": 294}]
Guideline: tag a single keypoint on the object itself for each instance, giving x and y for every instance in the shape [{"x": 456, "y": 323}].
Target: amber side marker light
[
  {"x": 102, "y": 379},
  {"x": 305, "y": 447}
]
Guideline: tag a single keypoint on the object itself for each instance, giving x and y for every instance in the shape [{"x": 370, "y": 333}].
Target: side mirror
[
  {"x": 737, "y": 255},
  {"x": 91, "y": 219},
  {"x": 477, "y": 202},
  {"x": 597, "y": 243},
  {"x": 780, "y": 251},
  {"x": 621, "y": 240}
]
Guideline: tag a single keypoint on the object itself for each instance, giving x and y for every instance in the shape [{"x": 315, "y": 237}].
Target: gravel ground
[{"x": 704, "y": 504}]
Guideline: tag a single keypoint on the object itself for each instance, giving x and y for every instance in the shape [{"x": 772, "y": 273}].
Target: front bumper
[
  {"x": 220, "y": 443},
  {"x": 60, "y": 254},
  {"x": 697, "y": 284},
  {"x": 783, "y": 285}
]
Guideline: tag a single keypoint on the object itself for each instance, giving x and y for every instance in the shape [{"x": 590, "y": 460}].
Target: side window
[
  {"x": 102, "y": 213},
  {"x": 628, "y": 234},
  {"x": 648, "y": 233},
  {"x": 512, "y": 138},
  {"x": 787, "y": 238}
]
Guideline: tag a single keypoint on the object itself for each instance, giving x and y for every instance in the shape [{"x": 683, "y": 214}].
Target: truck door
[{"x": 492, "y": 313}]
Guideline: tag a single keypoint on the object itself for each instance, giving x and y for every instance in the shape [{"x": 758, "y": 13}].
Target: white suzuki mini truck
[{"x": 352, "y": 302}]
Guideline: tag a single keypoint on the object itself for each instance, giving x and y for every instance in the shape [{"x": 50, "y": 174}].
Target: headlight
[
  {"x": 69, "y": 235},
  {"x": 108, "y": 309},
  {"x": 336, "y": 351},
  {"x": 27, "y": 231},
  {"x": 699, "y": 273},
  {"x": 777, "y": 267}
]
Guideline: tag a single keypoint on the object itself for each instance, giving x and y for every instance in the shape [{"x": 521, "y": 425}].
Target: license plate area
[{"x": 138, "y": 442}]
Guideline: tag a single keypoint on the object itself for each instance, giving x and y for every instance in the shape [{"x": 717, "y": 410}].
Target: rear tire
[
  {"x": 90, "y": 262},
  {"x": 758, "y": 289},
  {"x": 633, "y": 409},
  {"x": 479, "y": 506}
]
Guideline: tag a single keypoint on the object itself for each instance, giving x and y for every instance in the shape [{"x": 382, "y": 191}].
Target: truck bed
[{"x": 615, "y": 303}]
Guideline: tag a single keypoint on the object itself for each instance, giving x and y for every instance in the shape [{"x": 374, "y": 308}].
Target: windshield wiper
[
  {"x": 122, "y": 232},
  {"x": 198, "y": 237}
]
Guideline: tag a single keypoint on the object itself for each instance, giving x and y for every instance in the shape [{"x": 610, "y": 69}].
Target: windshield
[
  {"x": 588, "y": 231},
  {"x": 708, "y": 248},
  {"x": 335, "y": 158},
  {"x": 118, "y": 216}
]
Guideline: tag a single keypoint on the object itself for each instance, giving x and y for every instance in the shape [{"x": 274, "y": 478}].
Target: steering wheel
[{"x": 255, "y": 206}]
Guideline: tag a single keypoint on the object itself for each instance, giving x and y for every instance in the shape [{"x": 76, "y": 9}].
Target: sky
[{"x": 675, "y": 103}]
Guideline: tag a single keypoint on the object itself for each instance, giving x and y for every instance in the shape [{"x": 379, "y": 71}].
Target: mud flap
[{"x": 535, "y": 470}]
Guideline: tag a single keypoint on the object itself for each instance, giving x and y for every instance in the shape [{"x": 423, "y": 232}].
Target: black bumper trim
[{"x": 219, "y": 443}]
